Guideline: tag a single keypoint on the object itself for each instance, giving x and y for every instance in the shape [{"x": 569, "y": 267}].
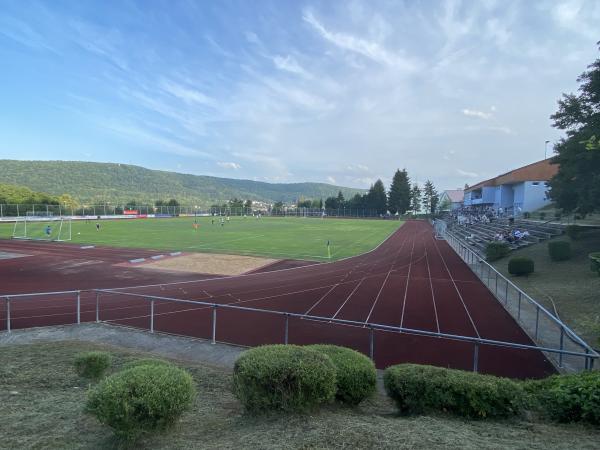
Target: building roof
[
  {"x": 538, "y": 171},
  {"x": 455, "y": 195}
]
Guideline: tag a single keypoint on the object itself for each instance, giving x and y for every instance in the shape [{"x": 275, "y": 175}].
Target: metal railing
[
  {"x": 145, "y": 315},
  {"x": 541, "y": 325},
  {"x": 9, "y": 211}
]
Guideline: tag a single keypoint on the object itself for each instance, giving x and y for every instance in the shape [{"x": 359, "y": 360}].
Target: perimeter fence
[
  {"x": 8, "y": 211},
  {"x": 247, "y": 326},
  {"x": 541, "y": 325}
]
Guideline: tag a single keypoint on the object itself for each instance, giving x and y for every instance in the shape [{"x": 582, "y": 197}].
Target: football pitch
[{"x": 274, "y": 237}]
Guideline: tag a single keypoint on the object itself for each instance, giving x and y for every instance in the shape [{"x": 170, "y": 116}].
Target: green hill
[
  {"x": 18, "y": 194},
  {"x": 91, "y": 182}
]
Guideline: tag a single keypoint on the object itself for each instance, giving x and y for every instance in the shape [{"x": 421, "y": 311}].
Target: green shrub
[
  {"x": 142, "y": 399},
  {"x": 594, "y": 261},
  {"x": 570, "y": 398},
  {"x": 520, "y": 265},
  {"x": 573, "y": 231},
  {"x": 283, "y": 377},
  {"x": 496, "y": 250},
  {"x": 559, "y": 250},
  {"x": 417, "y": 389},
  {"x": 356, "y": 374},
  {"x": 147, "y": 362},
  {"x": 542, "y": 216},
  {"x": 92, "y": 364}
]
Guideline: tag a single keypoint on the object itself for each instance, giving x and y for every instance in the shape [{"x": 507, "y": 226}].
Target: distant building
[
  {"x": 521, "y": 190},
  {"x": 453, "y": 198}
]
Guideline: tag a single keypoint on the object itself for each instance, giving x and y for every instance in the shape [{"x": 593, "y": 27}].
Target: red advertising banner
[{"x": 130, "y": 212}]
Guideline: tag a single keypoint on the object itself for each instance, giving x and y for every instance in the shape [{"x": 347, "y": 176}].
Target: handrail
[
  {"x": 375, "y": 326},
  {"x": 572, "y": 335}
]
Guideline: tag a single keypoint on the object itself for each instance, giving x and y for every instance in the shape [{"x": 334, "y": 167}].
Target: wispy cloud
[
  {"x": 369, "y": 49},
  {"x": 475, "y": 113},
  {"x": 229, "y": 165},
  {"x": 467, "y": 174}
]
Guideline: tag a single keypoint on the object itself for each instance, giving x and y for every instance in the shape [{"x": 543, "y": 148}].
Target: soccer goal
[{"x": 42, "y": 228}]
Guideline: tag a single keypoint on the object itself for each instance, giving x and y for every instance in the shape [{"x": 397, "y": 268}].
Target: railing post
[
  {"x": 371, "y": 343},
  {"x": 214, "y": 324},
  {"x": 151, "y": 316},
  {"x": 8, "y": 314},
  {"x": 519, "y": 307},
  {"x": 587, "y": 360},
  {"x": 287, "y": 325},
  {"x": 537, "y": 321},
  {"x": 97, "y": 307},
  {"x": 476, "y": 358},
  {"x": 562, "y": 339},
  {"x": 496, "y": 275},
  {"x": 506, "y": 293},
  {"x": 78, "y": 307}
]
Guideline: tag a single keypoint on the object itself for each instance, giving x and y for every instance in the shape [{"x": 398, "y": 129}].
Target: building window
[{"x": 535, "y": 183}]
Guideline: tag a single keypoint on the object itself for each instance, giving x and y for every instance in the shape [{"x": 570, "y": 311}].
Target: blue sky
[{"x": 284, "y": 91}]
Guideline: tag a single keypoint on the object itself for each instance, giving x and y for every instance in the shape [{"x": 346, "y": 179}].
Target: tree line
[{"x": 402, "y": 198}]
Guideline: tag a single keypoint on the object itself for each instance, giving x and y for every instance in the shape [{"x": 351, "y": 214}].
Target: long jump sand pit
[{"x": 210, "y": 263}]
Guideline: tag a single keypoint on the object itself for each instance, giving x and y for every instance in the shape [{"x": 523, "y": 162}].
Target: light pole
[{"x": 546, "y": 148}]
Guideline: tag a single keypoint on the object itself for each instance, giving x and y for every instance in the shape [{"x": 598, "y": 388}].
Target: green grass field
[{"x": 294, "y": 238}]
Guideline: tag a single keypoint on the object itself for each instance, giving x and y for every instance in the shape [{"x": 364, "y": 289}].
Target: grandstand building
[{"x": 521, "y": 190}]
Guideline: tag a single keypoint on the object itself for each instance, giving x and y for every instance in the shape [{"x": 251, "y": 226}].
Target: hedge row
[{"x": 418, "y": 389}]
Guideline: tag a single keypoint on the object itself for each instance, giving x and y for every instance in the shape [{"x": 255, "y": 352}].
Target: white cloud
[
  {"x": 186, "y": 94},
  {"x": 475, "y": 113},
  {"x": 289, "y": 64},
  {"x": 331, "y": 180},
  {"x": 369, "y": 49},
  {"x": 467, "y": 174},
  {"x": 229, "y": 165}
]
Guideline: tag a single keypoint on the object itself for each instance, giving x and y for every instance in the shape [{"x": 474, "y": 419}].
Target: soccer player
[
  {"x": 48, "y": 230},
  {"x": 97, "y": 226}
]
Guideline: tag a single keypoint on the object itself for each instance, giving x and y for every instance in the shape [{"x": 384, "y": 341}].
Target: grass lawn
[
  {"x": 43, "y": 407},
  {"x": 571, "y": 285},
  {"x": 295, "y": 238}
]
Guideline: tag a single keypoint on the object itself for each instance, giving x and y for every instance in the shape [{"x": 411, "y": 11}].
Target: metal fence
[
  {"x": 540, "y": 324},
  {"x": 22, "y": 210},
  {"x": 159, "y": 313}
]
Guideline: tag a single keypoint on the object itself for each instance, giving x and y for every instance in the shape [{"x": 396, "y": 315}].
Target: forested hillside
[{"x": 120, "y": 183}]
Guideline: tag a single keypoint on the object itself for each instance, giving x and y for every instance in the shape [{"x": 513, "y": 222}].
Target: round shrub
[
  {"x": 147, "y": 362},
  {"x": 594, "y": 261},
  {"x": 92, "y": 364},
  {"x": 417, "y": 389},
  {"x": 283, "y": 377},
  {"x": 559, "y": 250},
  {"x": 496, "y": 250},
  {"x": 142, "y": 399},
  {"x": 356, "y": 374},
  {"x": 571, "y": 398},
  {"x": 520, "y": 265}
]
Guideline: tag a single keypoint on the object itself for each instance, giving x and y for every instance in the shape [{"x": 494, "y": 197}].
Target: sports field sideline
[{"x": 293, "y": 238}]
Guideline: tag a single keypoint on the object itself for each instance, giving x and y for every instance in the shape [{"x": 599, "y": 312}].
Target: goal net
[{"x": 43, "y": 228}]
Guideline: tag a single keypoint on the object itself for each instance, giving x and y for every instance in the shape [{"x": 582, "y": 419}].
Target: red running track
[{"x": 411, "y": 280}]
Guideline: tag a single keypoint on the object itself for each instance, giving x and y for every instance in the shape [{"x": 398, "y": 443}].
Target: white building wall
[{"x": 534, "y": 195}]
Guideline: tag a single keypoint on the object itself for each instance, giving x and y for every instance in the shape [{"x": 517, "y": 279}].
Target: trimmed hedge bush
[
  {"x": 520, "y": 265},
  {"x": 283, "y": 377},
  {"x": 92, "y": 364},
  {"x": 570, "y": 398},
  {"x": 417, "y": 389},
  {"x": 496, "y": 250},
  {"x": 147, "y": 362},
  {"x": 559, "y": 250},
  {"x": 573, "y": 231},
  {"x": 356, "y": 374},
  {"x": 595, "y": 262},
  {"x": 142, "y": 399}
]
